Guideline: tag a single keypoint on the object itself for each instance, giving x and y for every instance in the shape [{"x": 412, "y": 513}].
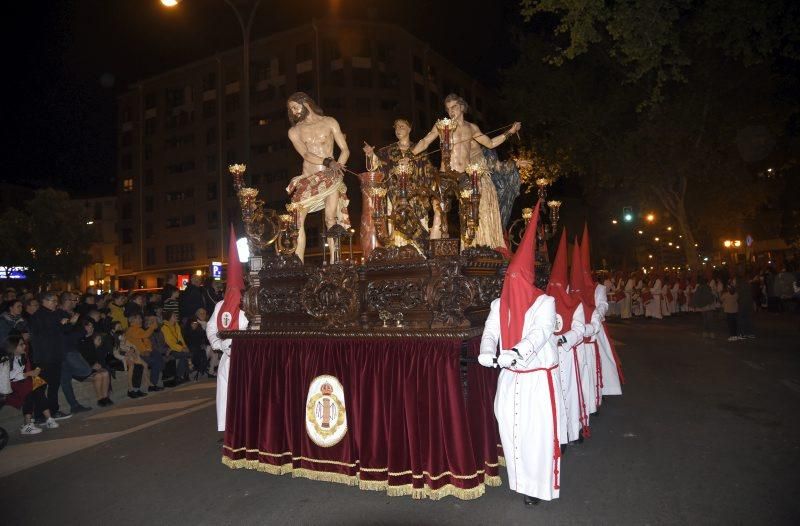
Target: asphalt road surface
[{"x": 706, "y": 432}]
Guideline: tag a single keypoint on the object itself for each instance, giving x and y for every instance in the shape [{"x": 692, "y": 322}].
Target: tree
[
  {"x": 643, "y": 98},
  {"x": 49, "y": 236}
]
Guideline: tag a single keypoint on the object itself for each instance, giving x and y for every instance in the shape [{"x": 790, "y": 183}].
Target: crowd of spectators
[{"x": 50, "y": 340}]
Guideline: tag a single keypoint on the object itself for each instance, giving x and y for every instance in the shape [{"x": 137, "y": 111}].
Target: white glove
[
  {"x": 507, "y": 359},
  {"x": 588, "y": 330},
  {"x": 597, "y": 326},
  {"x": 486, "y": 360}
]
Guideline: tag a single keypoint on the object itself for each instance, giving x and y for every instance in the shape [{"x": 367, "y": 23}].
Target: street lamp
[
  {"x": 650, "y": 217},
  {"x": 245, "y": 27}
]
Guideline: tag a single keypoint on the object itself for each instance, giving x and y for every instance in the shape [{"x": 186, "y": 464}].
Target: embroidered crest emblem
[
  {"x": 326, "y": 417},
  {"x": 559, "y": 323},
  {"x": 226, "y": 319}
]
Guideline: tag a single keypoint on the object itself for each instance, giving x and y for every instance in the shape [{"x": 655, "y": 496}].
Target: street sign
[{"x": 216, "y": 270}]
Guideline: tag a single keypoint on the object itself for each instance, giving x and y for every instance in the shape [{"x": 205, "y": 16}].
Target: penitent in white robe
[
  {"x": 652, "y": 308},
  {"x": 524, "y": 403},
  {"x": 627, "y": 301},
  {"x": 574, "y": 410},
  {"x": 219, "y": 344},
  {"x": 611, "y": 384}
]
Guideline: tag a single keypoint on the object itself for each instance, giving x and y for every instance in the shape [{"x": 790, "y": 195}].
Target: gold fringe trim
[
  {"x": 502, "y": 461},
  {"x": 325, "y": 476},
  {"x": 493, "y": 481},
  {"x": 448, "y": 490}
]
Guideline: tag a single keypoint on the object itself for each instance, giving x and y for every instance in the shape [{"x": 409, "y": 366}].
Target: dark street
[{"x": 704, "y": 434}]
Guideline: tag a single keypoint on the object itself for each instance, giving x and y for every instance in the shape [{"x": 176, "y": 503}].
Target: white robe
[
  {"x": 523, "y": 405},
  {"x": 665, "y": 308},
  {"x": 224, "y": 361},
  {"x": 627, "y": 302},
  {"x": 638, "y": 306},
  {"x": 674, "y": 306},
  {"x": 608, "y": 364},
  {"x": 567, "y": 354},
  {"x": 652, "y": 308}
]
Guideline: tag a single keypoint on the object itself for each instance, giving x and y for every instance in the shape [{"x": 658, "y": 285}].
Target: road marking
[
  {"x": 753, "y": 365},
  {"x": 23, "y": 456},
  {"x": 148, "y": 408}
]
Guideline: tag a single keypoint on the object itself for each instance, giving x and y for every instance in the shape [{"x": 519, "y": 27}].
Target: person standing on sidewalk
[
  {"x": 703, "y": 302},
  {"x": 744, "y": 293},
  {"x": 730, "y": 306}
]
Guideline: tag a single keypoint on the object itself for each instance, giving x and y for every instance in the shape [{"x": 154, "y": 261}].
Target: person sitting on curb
[{"x": 27, "y": 387}]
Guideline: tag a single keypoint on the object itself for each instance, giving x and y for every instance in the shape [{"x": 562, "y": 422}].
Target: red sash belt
[
  {"x": 584, "y": 420},
  {"x": 556, "y": 443},
  {"x": 598, "y": 369}
]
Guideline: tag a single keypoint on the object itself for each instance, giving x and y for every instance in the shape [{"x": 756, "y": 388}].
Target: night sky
[{"x": 70, "y": 59}]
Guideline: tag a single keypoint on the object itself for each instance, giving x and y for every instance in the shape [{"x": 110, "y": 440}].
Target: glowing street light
[
  {"x": 640, "y": 232},
  {"x": 650, "y": 217},
  {"x": 657, "y": 239},
  {"x": 170, "y": 3},
  {"x": 669, "y": 229},
  {"x": 614, "y": 221}
]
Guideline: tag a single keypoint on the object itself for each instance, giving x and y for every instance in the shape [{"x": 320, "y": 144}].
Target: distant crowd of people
[
  {"x": 49, "y": 340},
  {"x": 657, "y": 295}
]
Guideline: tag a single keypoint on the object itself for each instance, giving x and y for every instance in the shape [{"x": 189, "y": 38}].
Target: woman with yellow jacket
[{"x": 177, "y": 346}]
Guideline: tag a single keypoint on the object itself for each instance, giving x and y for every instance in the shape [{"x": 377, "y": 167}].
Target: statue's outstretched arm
[{"x": 426, "y": 141}]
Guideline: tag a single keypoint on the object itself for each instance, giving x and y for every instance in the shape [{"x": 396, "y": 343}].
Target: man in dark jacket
[
  {"x": 745, "y": 297},
  {"x": 47, "y": 341},
  {"x": 190, "y": 299}
]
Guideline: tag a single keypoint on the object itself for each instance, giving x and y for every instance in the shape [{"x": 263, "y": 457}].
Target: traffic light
[{"x": 627, "y": 214}]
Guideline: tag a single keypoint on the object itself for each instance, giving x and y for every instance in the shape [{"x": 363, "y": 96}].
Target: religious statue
[
  {"x": 321, "y": 185},
  {"x": 409, "y": 182},
  {"x": 465, "y": 153}
]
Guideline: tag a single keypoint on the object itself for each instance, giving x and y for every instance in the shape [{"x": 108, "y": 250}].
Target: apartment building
[{"x": 179, "y": 131}]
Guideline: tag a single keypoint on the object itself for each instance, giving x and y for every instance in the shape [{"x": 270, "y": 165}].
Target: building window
[
  {"x": 127, "y": 185},
  {"x": 150, "y": 256},
  {"x": 148, "y": 177},
  {"x": 209, "y": 108},
  {"x": 148, "y": 230},
  {"x": 213, "y": 219},
  {"x": 303, "y": 52},
  {"x": 231, "y": 102},
  {"x": 126, "y": 162},
  {"x": 362, "y": 78},
  {"x": 211, "y": 136},
  {"x": 305, "y": 81},
  {"x": 211, "y": 163},
  {"x": 148, "y": 203},
  {"x": 127, "y": 211},
  {"x": 173, "y": 222},
  {"x": 150, "y": 126},
  {"x": 212, "y": 248},
  {"x": 187, "y": 220},
  {"x": 230, "y": 130},
  {"x": 211, "y": 193},
  {"x": 210, "y": 81},
  {"x": 180, "y": 252},
  {"x": 178, "y": 168},
  {"x": 179, "y": 195},
  {"x": 127, "y": 236}
]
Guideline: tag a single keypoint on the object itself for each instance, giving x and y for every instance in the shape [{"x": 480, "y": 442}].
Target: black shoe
[
  {"x": 58, "y": 415},
  {"x": 135, "y": 394},
  {"x": 80, "y": 409},
  {"x": 103, "y": 402},
  {"x": 154, "y": 389},
  {"x": 531, "y": 501}
]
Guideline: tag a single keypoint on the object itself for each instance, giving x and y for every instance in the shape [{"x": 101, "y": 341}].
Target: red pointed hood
[
  {"x": 557, "y": 287},
  {"x": 519, "y": 291},
  {"x": 577, "y": 280},
  {"x": 585, "y": 255},
  {"x": 228, "y": 316}
]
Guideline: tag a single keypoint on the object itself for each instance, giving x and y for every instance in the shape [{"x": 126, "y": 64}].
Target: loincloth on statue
[{"x": 310, "y": 192}]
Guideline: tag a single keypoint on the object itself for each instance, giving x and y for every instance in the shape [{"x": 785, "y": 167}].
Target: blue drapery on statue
[{"x": 505, "y": 177}]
